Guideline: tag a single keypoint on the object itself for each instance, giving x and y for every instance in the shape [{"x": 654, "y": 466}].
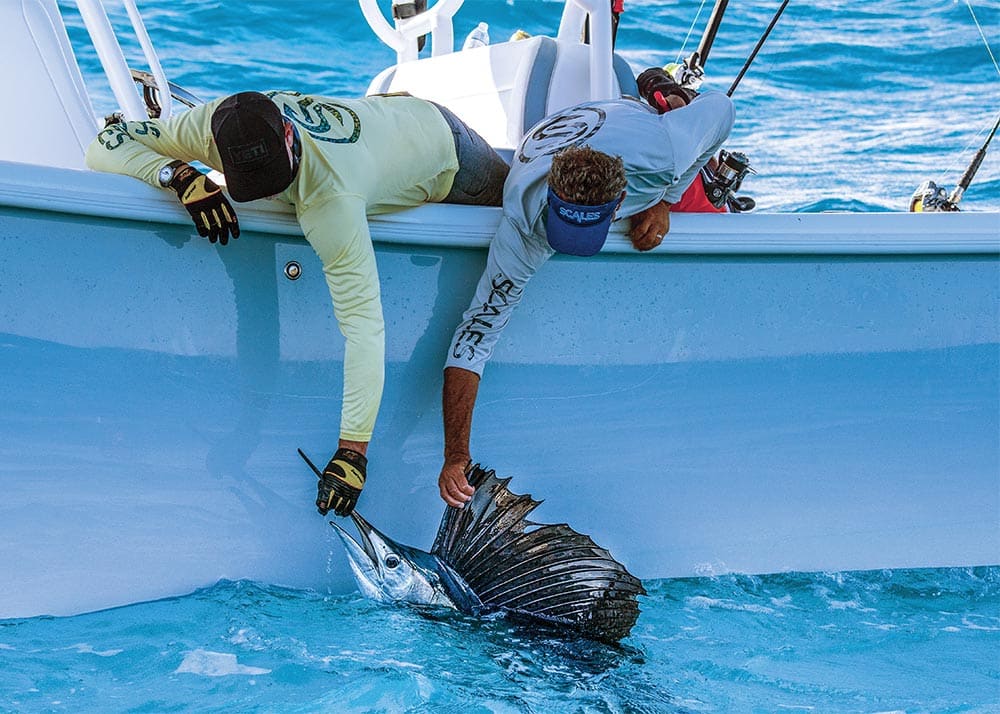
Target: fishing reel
[
  {"x": 687, "y": 73},
  {"x": 931, "y": 198},
  {"x": 724, "y": 179}
]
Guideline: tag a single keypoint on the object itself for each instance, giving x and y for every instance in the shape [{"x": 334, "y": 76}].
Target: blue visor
[{"x": 575, "y": 229}]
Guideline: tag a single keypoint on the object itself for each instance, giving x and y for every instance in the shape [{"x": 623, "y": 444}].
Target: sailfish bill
[{"x": 488, "y": 557}]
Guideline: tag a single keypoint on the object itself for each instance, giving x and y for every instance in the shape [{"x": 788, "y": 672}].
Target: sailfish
[{"x": 489, "y": 557}]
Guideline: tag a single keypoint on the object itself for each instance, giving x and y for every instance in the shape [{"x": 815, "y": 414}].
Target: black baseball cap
[{"x": 250, "y": 134}]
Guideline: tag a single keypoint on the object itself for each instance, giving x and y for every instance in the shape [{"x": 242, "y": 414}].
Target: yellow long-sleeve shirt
[{"x": 360, "y": 157}]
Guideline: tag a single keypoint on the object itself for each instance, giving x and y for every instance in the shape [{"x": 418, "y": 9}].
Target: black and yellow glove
[
  {"x": 655, "y": 85},
  {"x": 214, "y": 217},
  {"x": 341, "y": 482}
]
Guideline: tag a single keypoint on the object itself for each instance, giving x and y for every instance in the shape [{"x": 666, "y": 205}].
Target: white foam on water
[
  {"x": 711, "y": 570},
  {"x": 84, "y": 648},
  {"x": 215, "y": 664},
  {"x": 425, "y": 687},
  {"x": 880, "y": 625},
  {"x": 249, "y": 639},
  {"x": 784, "y": 601},
  {"x": 705, "y": 603},
  {"x": 993, "y": 626},
  {"x": 401, "y": 665},
  {"x": 854, "y": 604}
]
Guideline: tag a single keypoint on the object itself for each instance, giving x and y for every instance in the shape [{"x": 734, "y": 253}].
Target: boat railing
[
  {"x": 405, "y": 36},
  {"x": 116, "y": 68}
]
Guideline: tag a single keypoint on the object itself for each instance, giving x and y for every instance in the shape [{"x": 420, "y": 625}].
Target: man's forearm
[
  {"x": 116, "y": 151},
  {"x": 458, "y": 402}
]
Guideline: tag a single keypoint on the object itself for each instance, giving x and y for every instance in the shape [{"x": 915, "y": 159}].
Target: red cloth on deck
[{"x": 694, "y": 200}]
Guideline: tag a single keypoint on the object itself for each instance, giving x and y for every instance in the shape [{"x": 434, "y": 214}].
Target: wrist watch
[{"x": 166, "y": 174}]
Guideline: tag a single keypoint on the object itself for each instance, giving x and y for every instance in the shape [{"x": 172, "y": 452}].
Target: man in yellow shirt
[{"x": 337, "y": 161}]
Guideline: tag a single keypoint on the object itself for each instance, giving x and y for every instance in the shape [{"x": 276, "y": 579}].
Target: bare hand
[
  {"x": 454, "y": 486},
  {"x": 649, "y": 226}
]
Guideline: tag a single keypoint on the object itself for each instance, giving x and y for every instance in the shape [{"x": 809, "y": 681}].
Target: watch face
[{"x": 166, "y": 174}]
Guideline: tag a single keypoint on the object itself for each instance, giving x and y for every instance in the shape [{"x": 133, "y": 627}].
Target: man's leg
[{"x": 481, "y": 170}]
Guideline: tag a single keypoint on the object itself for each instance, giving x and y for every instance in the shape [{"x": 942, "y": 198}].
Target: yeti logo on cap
[{"x": 245, "y": 154}]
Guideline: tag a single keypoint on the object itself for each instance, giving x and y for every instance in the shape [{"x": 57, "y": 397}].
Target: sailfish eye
[{"x": 391, "y": 561}]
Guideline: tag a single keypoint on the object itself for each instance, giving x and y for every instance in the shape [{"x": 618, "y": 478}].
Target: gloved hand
[
  {"x": 341, "y": 482},
  {"x": 655, "y": 85},
  {"x": 213, "y": 215}
]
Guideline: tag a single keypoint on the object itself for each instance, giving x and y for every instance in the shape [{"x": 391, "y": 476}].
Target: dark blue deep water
[{"x": 849, "y": 107}]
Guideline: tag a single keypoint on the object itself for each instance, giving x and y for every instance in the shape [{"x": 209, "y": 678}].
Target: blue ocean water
[
  {"x": 907, "y": 641},
  {"x": 849, "y": 107}
]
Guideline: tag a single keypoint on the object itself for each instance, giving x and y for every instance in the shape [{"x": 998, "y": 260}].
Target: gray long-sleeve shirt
[{"x": 662, "y": 154}]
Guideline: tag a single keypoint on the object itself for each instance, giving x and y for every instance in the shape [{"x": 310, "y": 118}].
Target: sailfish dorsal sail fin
[{"x": 546, "y": 571}]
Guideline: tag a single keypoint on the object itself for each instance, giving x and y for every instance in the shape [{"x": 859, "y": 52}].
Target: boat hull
[{"x": 755, "y": 397}]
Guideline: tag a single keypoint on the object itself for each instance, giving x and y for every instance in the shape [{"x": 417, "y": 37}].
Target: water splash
[{"x": 910, "y": 640}]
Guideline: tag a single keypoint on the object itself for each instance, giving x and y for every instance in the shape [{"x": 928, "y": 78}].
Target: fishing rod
[
  {"x": 722, "y": 182},
  {"x": 699, "y": 57},
  {"x": 319, "y": 474},
  {"x": 690, "y": 73},
  {"x": 970, "y": 172},
  {"x": 756, "y": 49},
  {"x": 930, "y": 198}
]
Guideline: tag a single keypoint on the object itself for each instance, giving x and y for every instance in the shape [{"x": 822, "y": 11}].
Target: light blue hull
[{"x": 775, "y": 408}]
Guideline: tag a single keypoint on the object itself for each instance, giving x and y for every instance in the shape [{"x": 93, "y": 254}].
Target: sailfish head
[{"x": 392, "y": 572}]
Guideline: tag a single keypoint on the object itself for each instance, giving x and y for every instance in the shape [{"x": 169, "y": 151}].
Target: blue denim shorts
[{"x": 481, "y": 170}]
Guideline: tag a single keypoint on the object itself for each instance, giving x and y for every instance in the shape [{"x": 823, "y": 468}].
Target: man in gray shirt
[{"x": 573, "y": 173}]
